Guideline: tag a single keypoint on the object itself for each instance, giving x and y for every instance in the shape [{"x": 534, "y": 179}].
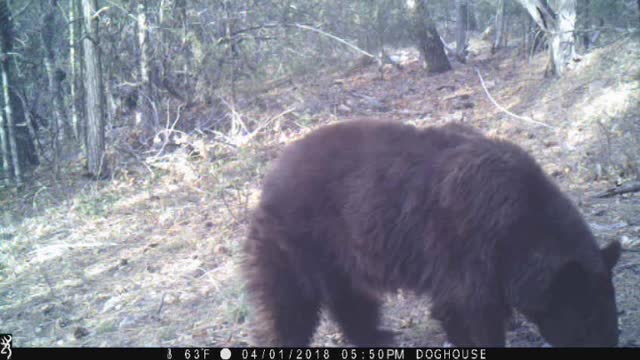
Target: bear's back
[{"x": 385, "y": 200}]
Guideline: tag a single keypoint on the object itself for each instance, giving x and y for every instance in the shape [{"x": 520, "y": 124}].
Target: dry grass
[{"x": 154, "y": 254}]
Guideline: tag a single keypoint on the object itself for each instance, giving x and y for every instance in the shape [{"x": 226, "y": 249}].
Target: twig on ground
[
  {"x": 127, "y": 148},
  {"x": 161, "y": 303},
  {"x": 630, "y": 187},
  {"x": 228, "y": 207},
  {"x": 503, "y": 109}
]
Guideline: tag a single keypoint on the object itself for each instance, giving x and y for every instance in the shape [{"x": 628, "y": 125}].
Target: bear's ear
[{"x": 611, "y": 254}]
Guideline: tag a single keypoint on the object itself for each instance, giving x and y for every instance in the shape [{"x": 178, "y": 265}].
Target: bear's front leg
[
  {"x": 472, "y": 326},
  {"x": 487, "y": 326}
]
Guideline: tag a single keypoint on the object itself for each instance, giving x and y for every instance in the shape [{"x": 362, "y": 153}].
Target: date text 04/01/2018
[{"x": 364, "y": 354}]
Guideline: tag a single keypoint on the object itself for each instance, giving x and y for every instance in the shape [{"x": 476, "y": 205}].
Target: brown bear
[{"x": 358, "y": 208}]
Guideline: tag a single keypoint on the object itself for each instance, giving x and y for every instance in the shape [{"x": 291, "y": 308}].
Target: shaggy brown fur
[{"x": 358, "y": 208}]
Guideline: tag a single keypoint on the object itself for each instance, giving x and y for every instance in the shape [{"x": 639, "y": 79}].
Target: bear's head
[{"x": 573, "y": 304}]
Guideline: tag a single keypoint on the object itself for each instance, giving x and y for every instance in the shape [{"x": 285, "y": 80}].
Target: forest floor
[{"x": 150, "y": 257}]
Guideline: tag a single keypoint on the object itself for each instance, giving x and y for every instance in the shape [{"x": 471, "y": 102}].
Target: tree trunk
[
  {"x": 94, "y": 93},
  {"x": 5, "y": 33},
  {"x": 73, "y": 66},
  {"x": 526, "y": 33},
  {"x": 54, "y": 74},
  {"x": 144, "y": 119},
  {"x": 429, "y": 42},
  {"x": 9, "y": 144},
  {"x": 54, "y": 79},
  {"x": 181, "y": 8},
  {"x": 8, "y": 113},
  {"x": 462, "y": 9},
  {"x": 4, "y": 148},
  {"x": 447, "y": 14},
  {"x": 586, "y": 36},
  {"x": 29, "y": 122},
  {"x": 230, "y": 24},
  {"x": 559, "y": 26},
  {"x": 472, "y": 21},
  {"x": 506, "y": 29},
  {"x": 81, "y": 92},
  {"x": 499, "y": 26},
  {"x": 563, "y": 40}
]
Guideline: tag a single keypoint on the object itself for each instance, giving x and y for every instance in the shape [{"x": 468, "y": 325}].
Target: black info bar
[{"x": 398, "y": 353}]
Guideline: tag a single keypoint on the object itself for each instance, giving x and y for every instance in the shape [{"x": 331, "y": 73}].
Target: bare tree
[
  {"x": 55, "y": 77},
  {"x": 499, "y": 26},
  {"x": 429, "y": 41},
  {"x": 144, "y": 118},
  {"x": 4, "y": 137},
  {"x": 94, "y": 92},
  {"x": 586, "y": 21},
  {"x": 472, "y": 22},
  {"x": 4, "y": 148},
  {"x": 74, "y": 30},
  {"x": 6, "y": 44},
  {"x": 10, "y": 124},
  {"x": 462, "y": 9},
  {"x": 559, "y": 25}
]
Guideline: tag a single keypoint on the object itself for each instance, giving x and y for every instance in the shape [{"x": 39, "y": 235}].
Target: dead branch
[
  {"x": 19, "y": 12},
  {"x": 125, "y": 147},
  {"x": 308, "y": 28},
  {"x": 169, "y": 130},
  {"x": 630, "y": 187},
  {"x": 237, "y": 218},
  {"x": 342, "y": 41},
  {"x": 237, "y": 140},
  {"x": 503, "y": 109},
  {"x": 268, "y": 122}
]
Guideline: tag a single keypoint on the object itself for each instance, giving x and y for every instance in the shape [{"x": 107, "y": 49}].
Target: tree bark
[
  {"x": 499, "y": 26},
  {"x": 54, "y": 74},
  {"x": 472, "y": 21},
  {"x": 586, "y": 36},
  {"x": 4, "y": 149},
  {"x": 525, "y": 32},
  {"x": 8, "y": 113},
  {"x": 10, "y": 146},
  {"x": 5, "y": 32},
  {"x": 462, "y": 10},
  {"x": 429, "y": 43},
  {"x": 73, "y": 66},
  {"x": 181, "y": 9},
  {"x": 54, "y": 80},
  {"x": 230, "y": 24},
  {"x": 559, "y": 26},
  {"x": 144, "y": 118},
  {"x": 94, "y": 92}
]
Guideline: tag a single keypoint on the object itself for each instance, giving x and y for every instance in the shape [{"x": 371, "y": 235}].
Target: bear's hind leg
[
  {"x": 356, "y": 312},
  {"x": 288, "y": 312}
]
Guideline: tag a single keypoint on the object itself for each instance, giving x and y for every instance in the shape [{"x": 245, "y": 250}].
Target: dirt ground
[{"x": 150, "y": 257}]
